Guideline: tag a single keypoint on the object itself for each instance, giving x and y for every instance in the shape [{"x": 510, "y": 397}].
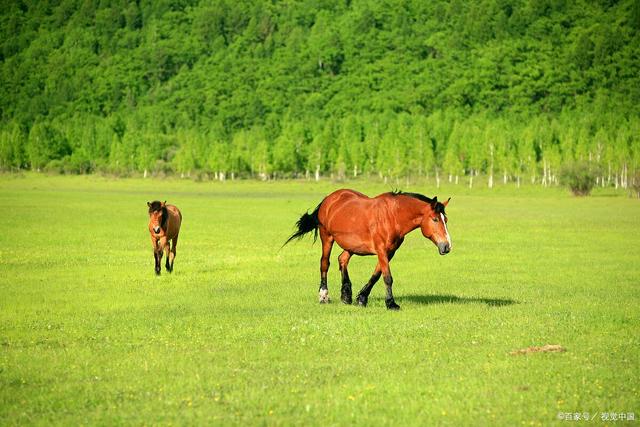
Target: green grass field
[{"x": 235, "y": 336}]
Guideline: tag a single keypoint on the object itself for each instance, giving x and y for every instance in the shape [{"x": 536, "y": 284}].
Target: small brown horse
[
  {"x": 164, "y": 226},
  {"x": 371, "y": 226}
]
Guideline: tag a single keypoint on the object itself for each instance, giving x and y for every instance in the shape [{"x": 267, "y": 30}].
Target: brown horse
[
  {"x": 371, "y": 226},
  {"x": 164, "y": 226}
]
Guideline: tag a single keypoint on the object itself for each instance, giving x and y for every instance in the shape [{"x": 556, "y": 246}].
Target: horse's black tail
[{"x": 306, "y": 224}]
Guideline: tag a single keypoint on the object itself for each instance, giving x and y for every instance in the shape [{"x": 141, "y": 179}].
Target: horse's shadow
[{"x": 452, "y": 299}]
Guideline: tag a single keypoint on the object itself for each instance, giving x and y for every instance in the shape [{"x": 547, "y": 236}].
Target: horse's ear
[
  {"x": 164, "y": 203},
  {"x": 149, "y": 204},
  {"x": 434, "y": 202},
  {"x": 447, "y": 202}
]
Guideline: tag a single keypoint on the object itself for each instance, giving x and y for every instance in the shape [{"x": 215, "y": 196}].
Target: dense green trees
[{"x": 511, "y": 89}]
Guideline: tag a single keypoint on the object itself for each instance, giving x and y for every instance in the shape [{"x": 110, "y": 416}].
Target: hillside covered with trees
[{"x": 389, "y": 88}]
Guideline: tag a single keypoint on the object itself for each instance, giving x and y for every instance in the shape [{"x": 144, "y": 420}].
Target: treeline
[
  {"x": 507, "y": 88},
  {"x": 440, "y": 146}
]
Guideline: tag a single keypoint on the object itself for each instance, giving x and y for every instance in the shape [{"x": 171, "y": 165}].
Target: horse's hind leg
[
  {"x": 327, "y": 244},
  {"x": 346, "y": 292},
  {"x": 172, "y": 254}
]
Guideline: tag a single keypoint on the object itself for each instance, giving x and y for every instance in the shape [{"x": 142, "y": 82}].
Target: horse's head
[
  {"x": 157, "y": 215},
  {"x": 434, "y": 226}
]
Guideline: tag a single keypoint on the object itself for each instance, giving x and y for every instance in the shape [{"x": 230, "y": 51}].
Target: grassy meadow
[{"x": 235, "y": 336}]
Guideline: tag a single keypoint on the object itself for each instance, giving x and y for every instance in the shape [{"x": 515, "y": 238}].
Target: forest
[{"x": 507, "y": 89}]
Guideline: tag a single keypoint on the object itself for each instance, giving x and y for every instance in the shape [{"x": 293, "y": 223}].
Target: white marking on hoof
[{"x": 324, "y": 296}]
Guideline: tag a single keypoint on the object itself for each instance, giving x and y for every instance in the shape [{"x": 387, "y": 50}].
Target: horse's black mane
[
  {"x": 156, "y": 206},
  {"x": 438, "y": 208}
]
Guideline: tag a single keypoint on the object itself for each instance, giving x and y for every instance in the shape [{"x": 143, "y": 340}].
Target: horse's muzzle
[
  {"x": 156, "y": 230},
  {"x": 444, "y": 248}
]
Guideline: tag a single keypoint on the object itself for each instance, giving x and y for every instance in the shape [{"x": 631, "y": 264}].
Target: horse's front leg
[
  {"x": 161, "y": 245},
  {"x": 167, "y": 253},
  {"x": 363, "y": 295},
  {"x": 154, "y": 244},
  {"x": 157, "y": 256},
  {"x": 388, "y": 281}
]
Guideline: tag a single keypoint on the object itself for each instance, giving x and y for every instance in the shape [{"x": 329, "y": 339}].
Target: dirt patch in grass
[{"x": 553, "y": 348}]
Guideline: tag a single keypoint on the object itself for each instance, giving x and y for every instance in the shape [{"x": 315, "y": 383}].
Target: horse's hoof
[
  {"x": 362, "y": 301},
  {"x": 391, "y": 305},
  {"x": 157, "y": 272},
  {"x": 323, "y": 296},
  {"x": 346, "y": 295}
]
